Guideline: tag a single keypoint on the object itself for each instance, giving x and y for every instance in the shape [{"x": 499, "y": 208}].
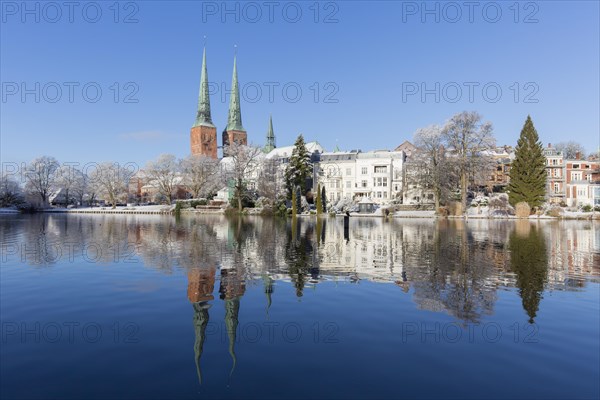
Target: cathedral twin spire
[
  {"x": 205, "y": 143},
  {"x": 234, "y": 122},
  {"x": 203, "y": 116}
]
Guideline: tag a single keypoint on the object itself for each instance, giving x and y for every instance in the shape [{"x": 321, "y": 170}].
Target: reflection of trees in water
[
  {"x": 452, "y": 266},
  {"x": 529, "y": 261},
  {"x": 299, "y": 254},
  {"x": 455, "y": 275}
]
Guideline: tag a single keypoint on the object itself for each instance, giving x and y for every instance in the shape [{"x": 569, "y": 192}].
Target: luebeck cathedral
[{"x": 203, "y": 135}]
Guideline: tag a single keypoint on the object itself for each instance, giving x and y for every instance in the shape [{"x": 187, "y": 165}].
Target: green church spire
[
  {"x": 203, "y": 116},
  {"x": 234, "y": 122},
  {"x": 200, "y": 319},
  {"x": 232, "y": 309},
  {"x": 270, "y": 137}
]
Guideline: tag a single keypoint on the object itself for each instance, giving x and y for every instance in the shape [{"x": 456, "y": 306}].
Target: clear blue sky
[{"x": 370, "y": 54}]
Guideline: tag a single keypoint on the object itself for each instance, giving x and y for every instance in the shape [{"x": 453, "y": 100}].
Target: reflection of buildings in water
[
  {"x": 200, "y": 319},
  {"x": 201, "y": 283},
  {"x": 428, "y": 256},
  {"x": 574, "y": 253},
  {"x": 376, "y": 250},
  {"x": 269, "y": 289},
  {"x": 232, "y": 288}
]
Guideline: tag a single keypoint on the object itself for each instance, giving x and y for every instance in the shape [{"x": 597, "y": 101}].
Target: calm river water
[{"x": 105, "y": 306}]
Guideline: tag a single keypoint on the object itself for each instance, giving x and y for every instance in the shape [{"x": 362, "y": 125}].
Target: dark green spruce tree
[
  {"x": 299, "y": 169},
  {"x": 528, "y": 170}
]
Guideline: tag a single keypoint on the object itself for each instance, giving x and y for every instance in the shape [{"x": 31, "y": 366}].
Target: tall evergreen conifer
[
  {"x": 528, "y": 170},
  {"x": 299, "y": 168}
]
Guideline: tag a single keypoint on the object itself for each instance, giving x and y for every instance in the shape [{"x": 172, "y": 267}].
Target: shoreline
[{"x": 169, "y": 210}]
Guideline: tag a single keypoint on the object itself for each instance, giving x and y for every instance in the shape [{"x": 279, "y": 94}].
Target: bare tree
[
  {"x": 163, "y": 173},
  {"x": 11, "y": 193},
  {"x": 40, "y": 175},
  {"x": 241, "y": 163},
  {"x": 271, "y": 183},
  {"x": 110, "y": 180},
  {"x": 467, "y": 137},
  {"x": 570, "y": 149},
  {"x": 66, "y": 179},
  {"x": 200, "y": 174},
  {"x": 81, "y": 186},
  {"x": 431, "y": 161}
]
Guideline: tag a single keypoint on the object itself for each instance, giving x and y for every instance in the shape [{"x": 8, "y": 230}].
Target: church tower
[
  {"x": 203, "y": 135},
  {"x": 234, "y": 132},
  {"x": 270, "y": 145}
]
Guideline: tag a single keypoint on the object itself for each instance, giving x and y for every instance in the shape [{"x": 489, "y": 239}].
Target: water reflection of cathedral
[
  {"x": 201, "y": 282},
  {"x": 436, "y": 262}
]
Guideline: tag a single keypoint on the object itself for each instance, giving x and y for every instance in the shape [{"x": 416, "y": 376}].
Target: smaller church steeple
[{"x": 270, "y": 145}]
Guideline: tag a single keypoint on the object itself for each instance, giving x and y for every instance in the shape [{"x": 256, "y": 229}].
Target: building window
[
  {"x": 364, "y": 184},
  {"x": 348, "y": 171},
  {"x": 363, "y": 170},
  {"x": 348, "y": 185},
  {"x": 556, "y": 188},
  {"x": 384, "y": 182},
  {"x": 380, "y": 169},
  {"x": 385, "y": 195}
]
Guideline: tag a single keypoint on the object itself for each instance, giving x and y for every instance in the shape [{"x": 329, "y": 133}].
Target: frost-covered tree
[
  {"x": 435, "y": 170},
  {"x": 270, "y": 181},
  {"x": 200, "y": 174},
  {"x": 242, "y": 161},
  {"x": 11, "y": 193},
  {"x": 570, "y": 149},
  {"x": 528, "y": 170},
  {"x": 299, "y": 168},
  {"x": 66, "y": 179},
  {"x": 41, "y": 176},
  {"x": 163, "y": 173},
  {"x": 81, "y": 186},
  {"x": 467, "y": 137},
  {"x": 110, "y": 180}
]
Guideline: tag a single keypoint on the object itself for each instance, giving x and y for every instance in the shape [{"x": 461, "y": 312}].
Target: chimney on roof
[
  {"x": 577, "y": 155},
  {"x": 549, "y": 145}
]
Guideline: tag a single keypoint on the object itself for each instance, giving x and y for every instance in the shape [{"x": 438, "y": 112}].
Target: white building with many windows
[{"x": 354, "y": 175}]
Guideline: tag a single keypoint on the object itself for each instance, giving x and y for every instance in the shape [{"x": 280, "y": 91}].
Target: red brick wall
[{"x": 203, "y": 141}]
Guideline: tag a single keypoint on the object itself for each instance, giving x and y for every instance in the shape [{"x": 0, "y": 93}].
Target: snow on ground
[
  {"x": 579, "y": 214},
  {"x": 8, "y": 210},
  {"x": 132, "y": 209},
  {"x": 415, "y": 214}
]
